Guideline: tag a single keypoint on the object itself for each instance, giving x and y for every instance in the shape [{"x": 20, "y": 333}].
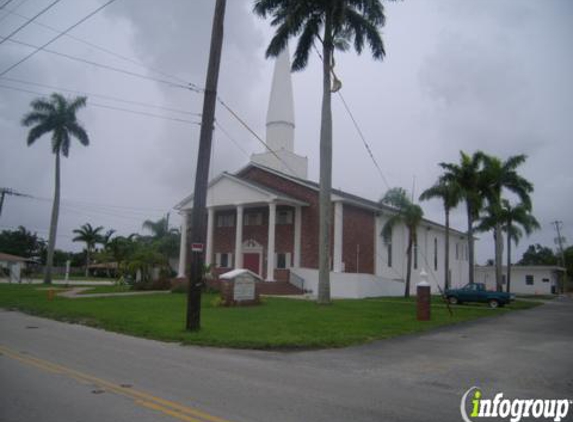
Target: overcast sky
[{"x": 459, "y": 75}]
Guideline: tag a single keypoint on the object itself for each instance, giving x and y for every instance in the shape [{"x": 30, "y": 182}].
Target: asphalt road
[{"x": 51, "y": 371}]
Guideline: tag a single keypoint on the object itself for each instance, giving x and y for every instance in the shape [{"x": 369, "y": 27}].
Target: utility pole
[
  {"x": 559, "y": 241},
  {"x": 8, "y": 191},
  {"x": 202, "y": 174}
]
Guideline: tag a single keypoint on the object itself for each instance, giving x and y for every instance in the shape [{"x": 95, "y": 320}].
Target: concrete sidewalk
[{"x": 75, "y": 293}]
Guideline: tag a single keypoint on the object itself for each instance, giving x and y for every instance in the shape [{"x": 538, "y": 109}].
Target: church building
[{"x": 265, "y": 217}]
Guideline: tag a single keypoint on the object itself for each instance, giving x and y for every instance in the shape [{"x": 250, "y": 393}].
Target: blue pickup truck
[{"x": 476, "y": 292}]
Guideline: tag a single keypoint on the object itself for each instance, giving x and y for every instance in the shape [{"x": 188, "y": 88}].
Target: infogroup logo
[{"x": 513, "y": 409}]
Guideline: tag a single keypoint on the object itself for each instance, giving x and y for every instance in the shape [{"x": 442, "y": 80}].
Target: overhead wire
[
  {"x": 188, "y": 86},
  {"x": 102, "y": 96},
  {"x": 105, "y": 50},
  {"x": 7, "y": 12},
  {"x": 85, "y": 18},
  {"x": 125, "y": 110},
  {"x": 30, "y": 20},
  {"x": 6, "y": 3},
  {"x": 358, "y": 129}
]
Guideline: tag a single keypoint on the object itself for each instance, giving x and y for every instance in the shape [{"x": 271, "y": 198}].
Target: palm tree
[
  {"x": 106, "y": 238},
  {"x": 450, "y": 193},
  {"x": 90, "y": 236},
  {"x": 159, "y": 229},
  {"x": 514, "y": 217},
  {"x": 467, "y": 175},
  {"x": 120, "y": 249},
  {"x": 57, "y": 116},
  {"x": 497, "y": 176},
  {"x": 333, "y": 23},
  {"x": 408, "y": 213}
]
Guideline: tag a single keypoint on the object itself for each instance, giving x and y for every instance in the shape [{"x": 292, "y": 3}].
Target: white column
[
  {"x": 297, "y": 235},
  {"x": 209, "y": 246},
  {"x": 271, "y": 242},
  {"x": 239, "y": 238},
  {"x": 337, "y": 258},
  {"x": 378, "y": 246},
  {"x": 183, "y": 246}
]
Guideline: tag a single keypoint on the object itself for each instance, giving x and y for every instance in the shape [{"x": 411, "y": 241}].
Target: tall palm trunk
[
  {"x": 325, "y": 206},
  {"x": 447, "y": 281},
  {"x": 470, "y": 242},
  {"x": 498, "y": 256},
  {"x": 53, "y": 225},
  {"x": 508, "y": 280},
  {"x": 409, "y": 263},
  {"x": 87, "y": 259}
]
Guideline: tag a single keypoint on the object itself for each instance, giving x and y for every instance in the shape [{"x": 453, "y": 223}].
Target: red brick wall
[
  {"x": 309, "y": 229},
  {"x": 358, "y": 229},
  {"x": 224, "y": 237}
]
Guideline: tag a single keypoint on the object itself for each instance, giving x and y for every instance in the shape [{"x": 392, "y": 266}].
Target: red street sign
[{"x": 196, "y": 247}]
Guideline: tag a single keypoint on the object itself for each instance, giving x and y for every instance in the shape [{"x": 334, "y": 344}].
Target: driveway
[{"x": 51, "y": 371}]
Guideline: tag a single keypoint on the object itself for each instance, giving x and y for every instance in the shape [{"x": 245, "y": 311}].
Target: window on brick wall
[
  {"x": 283, "y": 260},
  {"x": 284, "y": 217},
  {"x": 253, "y": 219},
  {"x": 226, "y": 220},
  {"x": 224, "y": 260},
  {"x": 529, "y": 280}
]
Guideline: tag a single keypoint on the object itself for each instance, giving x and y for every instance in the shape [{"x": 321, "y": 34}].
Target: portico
[{"x": 242, "y": 221}]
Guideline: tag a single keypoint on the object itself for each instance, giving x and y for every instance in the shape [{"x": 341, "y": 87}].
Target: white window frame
[
  {"x": 284, "y": 217},
  {"x": 253, "y": 219},
  {"x": 288, "y": 260},
  {"x": 226, "y": 220},
  {"x": 219, "y": 259}
]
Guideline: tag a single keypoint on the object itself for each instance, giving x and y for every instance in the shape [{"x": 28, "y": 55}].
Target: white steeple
[
  {"x": 280, "y": 114},
  {"x": 280, "y": 124}
]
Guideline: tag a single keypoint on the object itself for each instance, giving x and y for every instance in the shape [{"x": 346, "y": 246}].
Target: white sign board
[{"x": 244, "y": 288}]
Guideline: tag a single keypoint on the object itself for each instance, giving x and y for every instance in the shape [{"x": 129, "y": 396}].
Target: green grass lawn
[{"x": 277, "y": 323}]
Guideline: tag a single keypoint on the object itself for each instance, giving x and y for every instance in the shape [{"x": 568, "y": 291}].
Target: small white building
[
  {"x": 12, "y": 265},
  {"x": 525, "y": 279}
]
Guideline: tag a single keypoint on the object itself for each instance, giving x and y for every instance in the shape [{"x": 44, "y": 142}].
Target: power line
[
  {"x": 105, "y": 97},
  {"x": 106, "y": 50},
  {"x": 189, "y": 86},
  {"x": 6, "y": 4},
  {"x": 7, "y": 12},
  {"x": 257, "y": 137},
  {"x": 56, "y": 37},
  {"x": 30, "y": 20},
  {"x": 80, "y": 203},
  {"x": 226, "y": 133},
  {"x": 357, "y": 127},
  {"x": 125, "y": 110},
  {"x": 366, "y": 145}
]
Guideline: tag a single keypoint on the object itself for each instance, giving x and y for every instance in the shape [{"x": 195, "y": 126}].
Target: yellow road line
[{"x": 142, "y": 398}]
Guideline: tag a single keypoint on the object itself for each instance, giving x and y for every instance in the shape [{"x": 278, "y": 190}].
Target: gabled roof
[
  {"x": 276, "y": 195},
  {"x": 12, "y": 258}
]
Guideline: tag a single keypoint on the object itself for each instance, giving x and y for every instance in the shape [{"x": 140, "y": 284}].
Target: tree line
[{"x": 127, "y": 255}]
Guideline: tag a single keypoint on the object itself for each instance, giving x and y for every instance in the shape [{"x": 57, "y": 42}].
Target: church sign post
[{"x": 198, "y": 229}]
